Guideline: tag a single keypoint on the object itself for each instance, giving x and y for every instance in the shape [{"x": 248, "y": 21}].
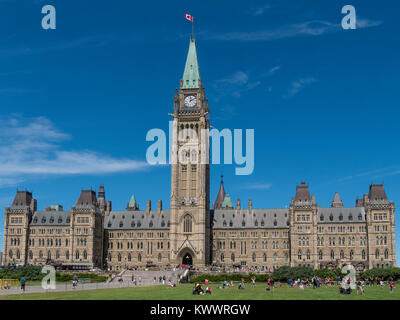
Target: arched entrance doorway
[{"x": 187, "y": 259}]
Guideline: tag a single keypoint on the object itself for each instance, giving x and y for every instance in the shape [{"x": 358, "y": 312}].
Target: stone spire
[
  {"x": 221, "y": 195},
  {"x": 337, "y": 202},
  {"x": 191, "y": 75}
]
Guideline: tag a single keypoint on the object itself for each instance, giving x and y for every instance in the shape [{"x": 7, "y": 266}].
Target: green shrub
[
  {"x": 284, "y": 273},
  {"x": 34, "y": 273},
  {"x": 387, "y": 273}
]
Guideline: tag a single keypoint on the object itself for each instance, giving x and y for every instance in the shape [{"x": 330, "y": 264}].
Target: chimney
[
  {"x": 238, "y": 204},
  {"x": 109, "y": 207},
  {"x": 250, "y": 206},
  {"x": 313, "y": 198},
  {"x": 33, "y": 205},
  {"x": 148, "y": 206},
  {"x": 159, "y": 206}
]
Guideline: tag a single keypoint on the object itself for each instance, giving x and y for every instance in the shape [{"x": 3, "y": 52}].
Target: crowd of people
[{"x": 345, "y": 285}]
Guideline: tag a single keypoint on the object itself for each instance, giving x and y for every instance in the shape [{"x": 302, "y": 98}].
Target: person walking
[
  {"x": 74, "y": 281},
  {"x": 253, "y": 281},
  {"x": 22, "y": 280}
]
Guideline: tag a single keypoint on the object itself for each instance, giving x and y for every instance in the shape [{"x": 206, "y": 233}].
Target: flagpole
[{"x": 192, "y": 28}]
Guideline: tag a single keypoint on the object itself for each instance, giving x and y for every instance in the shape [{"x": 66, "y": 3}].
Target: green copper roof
[
  {"x": 56, "y": 207},
  {"x": 132, "y": 203},
  {"x": 227, "y": 202},
  {"x": 191, "y": 75}
]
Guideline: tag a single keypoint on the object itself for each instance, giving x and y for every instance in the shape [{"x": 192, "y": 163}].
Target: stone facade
[{"x": 305, "y": 234}]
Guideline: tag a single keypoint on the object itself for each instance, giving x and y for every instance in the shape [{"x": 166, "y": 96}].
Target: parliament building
[{"x": 91, "y": 234}]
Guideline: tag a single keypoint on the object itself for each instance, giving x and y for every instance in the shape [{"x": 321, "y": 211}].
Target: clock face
[{"x": 190, "y": 101}]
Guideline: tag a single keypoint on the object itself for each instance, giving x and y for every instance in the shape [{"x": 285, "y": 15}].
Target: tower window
[{"x": 187, "y": 224}]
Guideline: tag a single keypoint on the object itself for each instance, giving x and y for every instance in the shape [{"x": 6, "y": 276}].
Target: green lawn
[{"x": 184, "y": 292}]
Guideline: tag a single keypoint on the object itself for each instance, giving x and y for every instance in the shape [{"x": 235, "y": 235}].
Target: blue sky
[{"x": 76, "y": 102}]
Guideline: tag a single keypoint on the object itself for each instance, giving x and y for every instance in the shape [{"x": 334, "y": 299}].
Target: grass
[{"x": 184, "y": 292}]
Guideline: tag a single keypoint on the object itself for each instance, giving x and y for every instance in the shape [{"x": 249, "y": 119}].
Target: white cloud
[
  {"x": 258, "y": 186},
  {"x": 258, "y": 11},
  {"x": 32, "y": 147},
  {"x": 298, "y": 85},
  {"x": 238, "y": 77},
  {"x": 273, "y": 70},
  {"x": 313, "y": 28}
]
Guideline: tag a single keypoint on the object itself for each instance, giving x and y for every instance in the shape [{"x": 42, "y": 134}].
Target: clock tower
[{"x": 190, "y": 170}]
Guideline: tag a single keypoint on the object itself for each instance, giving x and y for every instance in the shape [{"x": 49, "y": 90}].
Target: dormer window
[
  {"x": 256, "y": 223},
  {"x": 121, "y": 224},
  {"x": 43, "y": 220},
  {"x": 275, "y": 223},
  {"x": 139, "y": 224},
  {"x": 151, "y": 224},
  {"x": 109, "y": 225},
  {"x": 321, "y": 217},
  {"x": 60, "y": 220},
  {"x": 163, "y": 224},
  {"x": 340, "y": 217},
  {"x": 262, "y": 223},
  {"x": 133, "y": 224},
  {"x": 350, "y": 217},
  {"x": 68, "y": 220},
  {"x": 243, "y": 223},
  {"x": 360, "y": 217},
  {"x": 331, "y": 217},
  {"x": 35, "y": 220},
  {"x": 231, "y": 223},
  {"x": 224, "y": 223},
  {"x": 52, "y": 220}
]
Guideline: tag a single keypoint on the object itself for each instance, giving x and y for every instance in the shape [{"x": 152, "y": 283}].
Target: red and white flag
[{"x": 189, "y": 17}]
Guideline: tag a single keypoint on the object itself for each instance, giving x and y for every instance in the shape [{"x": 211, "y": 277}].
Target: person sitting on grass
[
  {"x": 225, "y": 284},
  {"x": 208, "y": 290},
  {"x": 198, "y": 289},
  {"x": 241, "y": 285}
]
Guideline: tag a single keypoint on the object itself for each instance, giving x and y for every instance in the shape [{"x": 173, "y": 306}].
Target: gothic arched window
[{"x": 187, "y": 224}]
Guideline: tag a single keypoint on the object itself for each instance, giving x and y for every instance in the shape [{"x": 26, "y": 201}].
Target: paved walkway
[{"x": 147, "y": 280}]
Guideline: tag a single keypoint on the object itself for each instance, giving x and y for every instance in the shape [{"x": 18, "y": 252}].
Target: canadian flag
[{"x": 189, "y": 17}]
